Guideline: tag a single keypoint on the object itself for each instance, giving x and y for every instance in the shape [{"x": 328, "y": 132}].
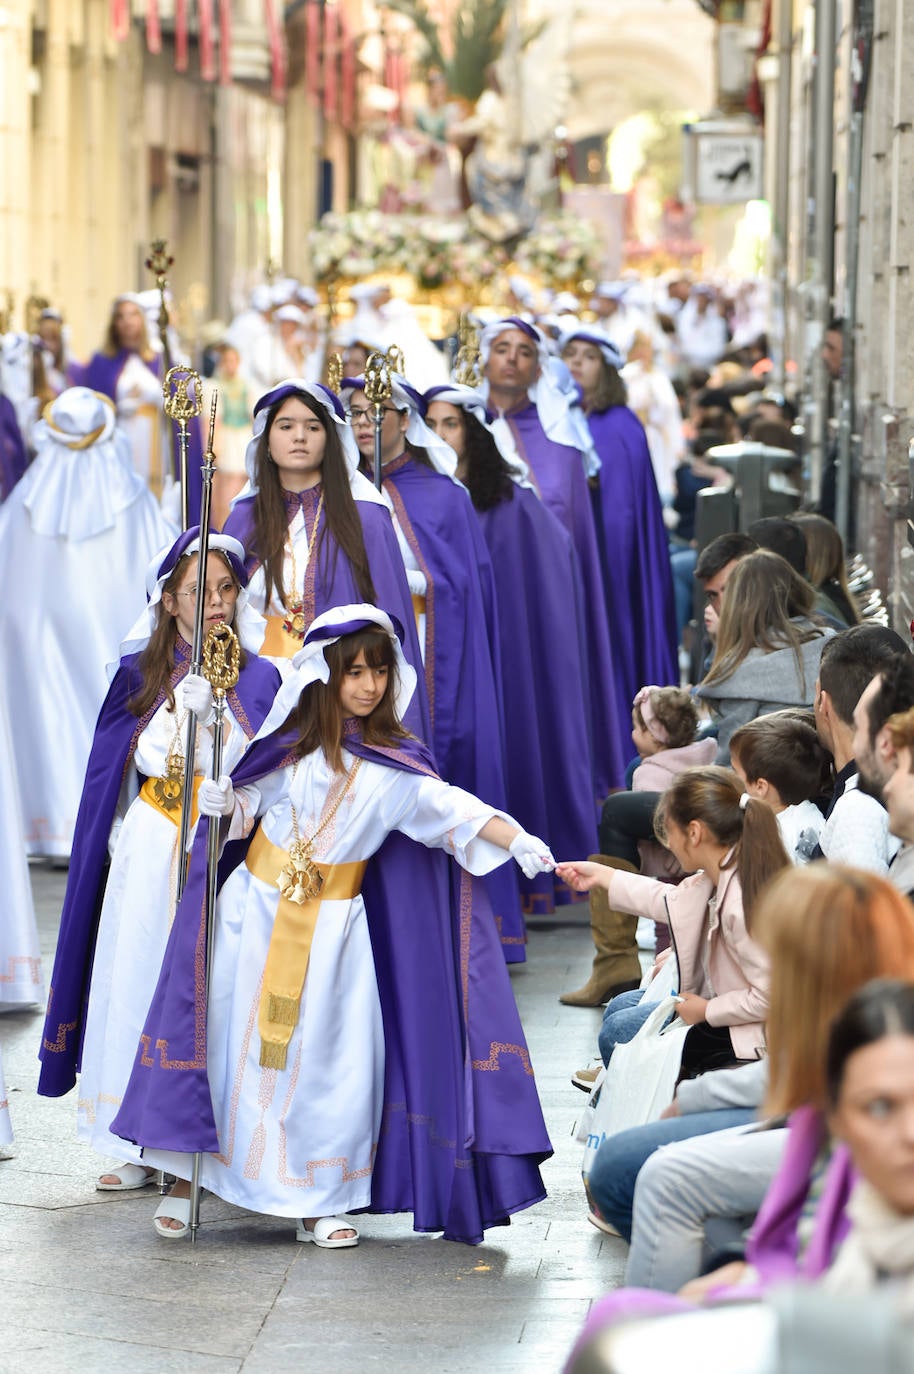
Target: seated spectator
[
  {"x": 664, "y": 729},
  {"x": 781, "y": 761},
  {"x": 768, "y": 646},
  {"x": 731, "y": 850},
  {"x": 825, "y": 565},
  {"x": 828, "y": 930},
  {"x": 856, "y": 825},
  {"x": 887, "y": 752},
  {"x": 787, "y": 538}
]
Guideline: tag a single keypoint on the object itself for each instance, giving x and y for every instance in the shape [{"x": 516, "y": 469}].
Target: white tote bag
[{"x": 637, "y": 1085}]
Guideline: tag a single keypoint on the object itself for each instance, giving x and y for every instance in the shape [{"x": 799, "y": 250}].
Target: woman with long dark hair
[{"x": 316, "y": 532}]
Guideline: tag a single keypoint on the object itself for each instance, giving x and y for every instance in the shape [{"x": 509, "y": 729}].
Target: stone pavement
[{"x": 86, "y": 1285}]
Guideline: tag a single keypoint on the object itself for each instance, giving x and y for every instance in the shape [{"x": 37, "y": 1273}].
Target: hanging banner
[
  {"x": 330, "y": 55},
  {"x": 225, "y": 42},
  {"x": 347, "y": 77},
  {"x": 153, "y": 27},
  {"x": 207, "y": 43},
  {"x": 180, "y": 35},
  {"x": 277, "y": 52},
  {"x": 313, "y": 51}
]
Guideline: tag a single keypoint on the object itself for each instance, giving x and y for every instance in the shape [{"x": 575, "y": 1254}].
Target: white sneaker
[{"x": 585, "y": 1078}]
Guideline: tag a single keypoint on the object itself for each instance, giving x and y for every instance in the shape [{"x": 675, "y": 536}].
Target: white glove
[
  {"x": 532, "y": 855},
  {"x": 198, "y": 697},
  {"x": 216, "y": 798}
]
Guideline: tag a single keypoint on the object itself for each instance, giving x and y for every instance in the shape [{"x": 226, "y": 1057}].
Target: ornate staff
[
  {"x": 180, "y": 406},
  {"x": 158, "y": 263},
  {"x": 190, "y": 742},
  {"x": 377, "y": 391},
  {"x": 334, "y": 372},
  {"x": 221, "y": 666},
  {"x": 466, "y": 365}
]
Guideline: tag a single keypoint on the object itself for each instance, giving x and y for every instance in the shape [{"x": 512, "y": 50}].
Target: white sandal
[
  {"x": 128, "y": 1176},
  {"x": 324, "y": 1228},
  {"x": 175, "y": 1209}
]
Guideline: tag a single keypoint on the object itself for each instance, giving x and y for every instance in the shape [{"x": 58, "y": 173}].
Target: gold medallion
[
  {"x": 294, "y": 623},
  {"x": 300, "y": 880},
  {"x": 169, "y": 791}
]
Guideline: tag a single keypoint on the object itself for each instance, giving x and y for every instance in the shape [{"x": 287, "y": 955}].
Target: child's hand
[{"x": 582, "y": 876}]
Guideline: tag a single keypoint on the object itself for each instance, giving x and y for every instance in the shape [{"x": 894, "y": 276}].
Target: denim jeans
[
  {"x": 619, "y": 1159},
  {"x": 623, "y": 1017}
]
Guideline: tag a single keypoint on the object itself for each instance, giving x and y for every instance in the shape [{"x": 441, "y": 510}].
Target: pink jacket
[
  {"x": 737, "y": 968},
  {"x": 658, "y": 770}
]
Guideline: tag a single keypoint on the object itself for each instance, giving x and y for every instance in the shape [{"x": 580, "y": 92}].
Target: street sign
[{"x": 726, "y": 165}]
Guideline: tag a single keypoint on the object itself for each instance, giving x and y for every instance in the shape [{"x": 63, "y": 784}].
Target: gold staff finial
[
  {"x": 221, "y": 659},
  {"x": 467, "y": 370},
  {"x": 377, "y": 378},
  {"x": 335, "y": 371}
]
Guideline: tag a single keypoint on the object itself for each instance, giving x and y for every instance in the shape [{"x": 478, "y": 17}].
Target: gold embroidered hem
[
  {"x": 290, "y": 942},
  {"x": 160, "y": 795}
]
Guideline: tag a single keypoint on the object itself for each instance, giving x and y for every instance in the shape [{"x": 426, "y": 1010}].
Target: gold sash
[
  {"x": 290, "y": 943},
  {"x": 418, "y": 607},
  {"x": 277, "y": 642},
  {"x": 165, "y": 802}
]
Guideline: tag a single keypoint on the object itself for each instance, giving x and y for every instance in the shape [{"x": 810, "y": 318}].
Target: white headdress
[
  {"x": 82, "y": 476},
  {"x": 310, "y": 663}
]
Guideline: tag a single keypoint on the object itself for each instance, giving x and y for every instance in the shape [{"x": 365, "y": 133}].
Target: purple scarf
[
  {"x": 13, "y": 456},
  {"x": 462, "y": 1133}
]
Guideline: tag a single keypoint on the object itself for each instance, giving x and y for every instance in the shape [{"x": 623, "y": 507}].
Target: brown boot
[{"x": 616, "y": 966}]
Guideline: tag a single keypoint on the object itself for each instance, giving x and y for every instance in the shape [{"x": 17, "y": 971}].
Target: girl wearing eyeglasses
[{"x": 122, "y": 885}]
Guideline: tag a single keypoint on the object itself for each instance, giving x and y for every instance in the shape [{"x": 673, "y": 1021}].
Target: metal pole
[
  {"x": 824, "y": 237},
  {"x": 190, "y": 740},
  {"x": 781, "y": 235},
  {"x": 221, "y": 664},
  {"x": 860, "y": 65}
]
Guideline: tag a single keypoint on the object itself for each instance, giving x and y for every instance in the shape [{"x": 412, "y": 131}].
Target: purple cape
[
  {"x": 549, "y": 773},
  {"x": 13, "y": 456},
  {"x": 334, "y": 583},
  {"x": 634, "y": 549},
  {"x": 101, "y": 373},
  {"x": 462, "y": 1133},
  {"x": 558, "y": 473},
  {"x": 461, "y": 626},
  {"x": 116, "y": 735}
]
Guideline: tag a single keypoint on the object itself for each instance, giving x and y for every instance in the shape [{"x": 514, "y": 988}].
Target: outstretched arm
[{"x": 582, "y": 876}]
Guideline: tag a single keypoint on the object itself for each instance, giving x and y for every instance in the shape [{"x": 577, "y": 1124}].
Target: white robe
[
  {"x": 21, "y": 982},
  {"x": 139, "y": 403},
  {"x": 67, "y": 603},
  {"x": 300, "y": 1142},
  {"x": 137, "y": 913}
]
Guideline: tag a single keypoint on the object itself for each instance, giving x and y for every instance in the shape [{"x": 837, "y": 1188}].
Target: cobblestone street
[{"x": 86, "y": 1285}]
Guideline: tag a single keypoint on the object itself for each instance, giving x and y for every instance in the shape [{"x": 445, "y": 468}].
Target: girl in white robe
[
  {"x": 141, "y": 886},
  {"x": 298, "y": 1106}
]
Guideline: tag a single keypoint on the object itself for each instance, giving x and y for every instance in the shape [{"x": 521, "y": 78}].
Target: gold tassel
[
  {"x": 282, "y": 1011},
  {"x": 272, "y": 1055}
]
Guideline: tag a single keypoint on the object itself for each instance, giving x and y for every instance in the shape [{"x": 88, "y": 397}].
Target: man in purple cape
[
  {"x": 116, "y": 734},
  {"x": 437, "y": 520},
  {"x": 101, "y": 373},
  {"x": 462, "y": 1134},
  {"x": 513, "y": 353},
  {"x": 14, "y": 458},
  {"x": 548, "y": 761},
  {"x": 633, "y": 543}
]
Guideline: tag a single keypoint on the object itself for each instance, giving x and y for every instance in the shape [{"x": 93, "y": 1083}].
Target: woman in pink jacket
[{"x": 730, "y": 844}]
